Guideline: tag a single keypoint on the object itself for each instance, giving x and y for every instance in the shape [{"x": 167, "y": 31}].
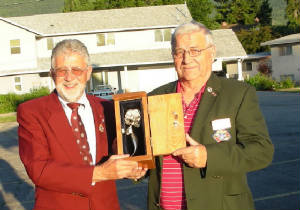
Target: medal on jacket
[
  {"x": 221, "y": 129},
  {"x": 221, "y": 135}
]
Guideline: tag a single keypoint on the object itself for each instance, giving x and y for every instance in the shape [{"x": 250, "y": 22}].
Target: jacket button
[{"x": 157, "y": 204}]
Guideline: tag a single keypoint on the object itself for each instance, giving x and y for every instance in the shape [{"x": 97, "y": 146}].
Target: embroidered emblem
[{"x": 221, "y": 135}]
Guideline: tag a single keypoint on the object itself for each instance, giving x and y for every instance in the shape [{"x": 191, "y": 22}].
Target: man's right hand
[{"x": 118, "y": 168}]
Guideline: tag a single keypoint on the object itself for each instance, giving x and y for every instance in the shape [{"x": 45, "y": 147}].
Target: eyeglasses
[
  {"x": 62, "y": 72},
  {"x": 193, "y": 52}
]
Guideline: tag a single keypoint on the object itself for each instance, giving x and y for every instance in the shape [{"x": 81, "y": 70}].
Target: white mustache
[{"x": 69, "y": 84}]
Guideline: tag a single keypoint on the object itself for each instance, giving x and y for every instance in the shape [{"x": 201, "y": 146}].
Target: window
[
  {"x": 50, "y": 43},
  {"x": 104, "y": 39},
  {"x": 163, "y": 35},
  {"x": 110, "y": 39},
  {"x": 285, "y": 50},
  {"x": 287, "y": 76},
  {"x": 15, "y": 47},
  {"x": 18, "y": 85},
  {"x": 167, "y": 35},
  {"x": 100, "y": 39},
  {"x": 158, "y": 36},
  {"x": 248, "y": 66}
]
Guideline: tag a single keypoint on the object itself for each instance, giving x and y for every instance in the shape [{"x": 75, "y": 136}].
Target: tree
[
  {"x": 167, "y": 2},
  {"x": 237, "y": 11},
  {"x": 101, "y": 4},
  {"x": 252, "y": 38},
  {"x": 202, "y": 11},
  {"x": 223, "y": 9},
  {"x": 77, "y": 5},
  {"x": 293, "y": 12},
  {"x": 265, "y": 13},
  {"x": 240, "y": 13},
  {"x": 113, "y": 4}
]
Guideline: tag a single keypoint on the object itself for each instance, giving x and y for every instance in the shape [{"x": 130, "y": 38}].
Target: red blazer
[{"x": 51, "y": 157}]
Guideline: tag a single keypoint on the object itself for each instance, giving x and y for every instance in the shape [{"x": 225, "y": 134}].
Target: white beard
[{"x": 71, "y": 95}]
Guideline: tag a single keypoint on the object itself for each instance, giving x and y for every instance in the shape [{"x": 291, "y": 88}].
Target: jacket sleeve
[
  {"x": 252, "y": 149},
  {"x": 44, "y": 170}
]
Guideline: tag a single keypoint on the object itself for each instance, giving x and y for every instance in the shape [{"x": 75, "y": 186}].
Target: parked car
[{"x": 103, "y": 91}]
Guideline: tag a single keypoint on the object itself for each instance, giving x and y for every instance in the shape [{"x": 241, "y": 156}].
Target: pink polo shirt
[{"x": 172, "y": 194}]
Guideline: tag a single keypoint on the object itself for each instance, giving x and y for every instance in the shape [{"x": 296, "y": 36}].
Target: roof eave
[
  {"x": 135, "y": 64},
  {"x": 232, "y": 58},
  {"x": 20, "y": 26},
  {"x": 279, "y": 43},
  {"x": 23, "y": 72},
  {"x": 105, "y": 31}
]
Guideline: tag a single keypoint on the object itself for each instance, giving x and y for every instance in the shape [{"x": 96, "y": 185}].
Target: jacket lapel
[
  {"x": 100, "y": 130},
  {"x": 206, "y": 105},
  {"x": 208, "y": 99},
  {"x": 62, "y": 130}
]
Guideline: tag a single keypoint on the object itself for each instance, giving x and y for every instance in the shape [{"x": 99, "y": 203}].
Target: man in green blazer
[{"x": 226, "y": 133}]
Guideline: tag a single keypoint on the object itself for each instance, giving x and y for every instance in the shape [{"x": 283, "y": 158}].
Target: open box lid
[{"x": 166, "y": 123}]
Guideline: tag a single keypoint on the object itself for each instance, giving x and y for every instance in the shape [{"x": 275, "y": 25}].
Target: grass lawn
[{"x": 8, "y": 117}]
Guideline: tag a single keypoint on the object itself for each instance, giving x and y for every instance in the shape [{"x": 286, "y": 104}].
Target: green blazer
[{"x": 223, "y": 183}]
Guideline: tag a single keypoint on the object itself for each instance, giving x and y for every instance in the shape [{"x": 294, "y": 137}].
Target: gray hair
[
  {"x": 191, "y": 27},
  {"x": 70, "y": 45}
]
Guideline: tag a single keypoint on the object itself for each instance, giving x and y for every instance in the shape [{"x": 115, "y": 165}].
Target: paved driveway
[{"x": 276, "y": 187}]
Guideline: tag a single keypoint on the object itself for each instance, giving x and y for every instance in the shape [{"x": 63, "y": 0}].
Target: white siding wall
[
  {"x": 124, "y": 41},
  {"x": 255, "y": 65},
  {"x": 283, "y": 65},
  {"x": 28, "y": 81},
  {"x": 27, "y": 57}
]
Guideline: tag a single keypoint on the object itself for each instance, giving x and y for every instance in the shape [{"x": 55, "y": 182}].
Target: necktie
[{"x": 80, "y": 134}]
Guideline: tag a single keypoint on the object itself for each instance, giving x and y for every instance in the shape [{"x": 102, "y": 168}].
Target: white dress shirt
[{"x": 86, "y": 114}]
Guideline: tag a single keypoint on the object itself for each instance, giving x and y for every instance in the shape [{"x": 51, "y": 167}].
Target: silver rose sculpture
[{"x": 133, "y": 118}]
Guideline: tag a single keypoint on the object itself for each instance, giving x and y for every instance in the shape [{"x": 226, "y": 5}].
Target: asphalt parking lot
[{"x": 274, "y": 188}]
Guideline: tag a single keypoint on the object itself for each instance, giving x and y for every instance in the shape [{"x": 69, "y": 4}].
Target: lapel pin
[
  {"x": 210, "y": 90},
  {"x": 101, "y": 128}
]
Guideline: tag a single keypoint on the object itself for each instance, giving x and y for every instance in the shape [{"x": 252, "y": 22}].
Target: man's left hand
[{"x": 195, "y": 155}]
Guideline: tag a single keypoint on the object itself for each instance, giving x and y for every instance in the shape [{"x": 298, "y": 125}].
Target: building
[
  {"x": 130, "y": 48},
  {"x": 250, "y": 65},
  {"x": 285, "y": 53}
]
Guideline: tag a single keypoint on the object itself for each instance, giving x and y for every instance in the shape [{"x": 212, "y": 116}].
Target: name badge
[{"x": 221, "y": 124}]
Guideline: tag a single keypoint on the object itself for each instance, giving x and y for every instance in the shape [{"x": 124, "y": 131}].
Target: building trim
[
  {"x": 106, "y": 31},
  {"x": 19, "y": 26}
]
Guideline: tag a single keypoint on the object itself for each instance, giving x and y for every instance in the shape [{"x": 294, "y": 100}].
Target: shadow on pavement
[{"x": 14, "y": 185}]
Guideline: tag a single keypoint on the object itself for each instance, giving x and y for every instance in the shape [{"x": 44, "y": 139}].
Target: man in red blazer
[{"x": 64, "y": 178}]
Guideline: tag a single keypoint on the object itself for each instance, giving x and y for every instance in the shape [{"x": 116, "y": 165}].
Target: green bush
[
  {"x": 9, "y": 102},
  {"x": 262, "y": 82},
  {"x": 287, "y": 83}
]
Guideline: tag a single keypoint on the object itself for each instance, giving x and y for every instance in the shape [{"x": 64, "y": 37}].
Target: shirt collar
[
  {"x": 178, "y": 89},
  {"x": 82, "y": 100}
]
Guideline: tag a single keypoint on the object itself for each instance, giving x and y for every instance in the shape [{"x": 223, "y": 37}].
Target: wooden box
[{"x": 148, "y": 126}]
